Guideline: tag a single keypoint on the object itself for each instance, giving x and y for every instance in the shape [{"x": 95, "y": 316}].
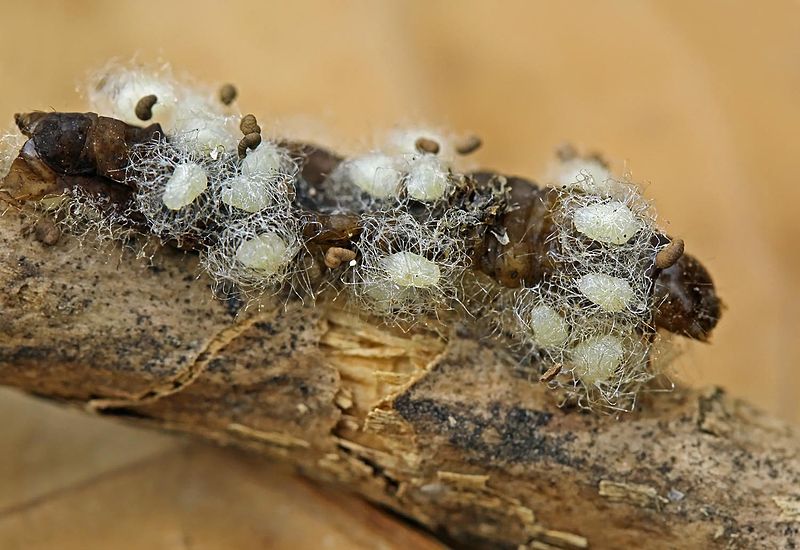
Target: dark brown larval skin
[
  {"x": 686, "y": 301},
  {"x": 684, "y": 294},
  {"x": 84, "y": 144},
  {"x": 517, "y": 252},
  {"x": 91, "y": 152}
]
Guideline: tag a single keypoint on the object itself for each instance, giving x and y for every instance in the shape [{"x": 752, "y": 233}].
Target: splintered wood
[{"x": 433, "y": 423}]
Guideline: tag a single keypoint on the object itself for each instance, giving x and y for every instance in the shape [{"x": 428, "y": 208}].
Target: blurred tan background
[{"x": 699, "y": 100}]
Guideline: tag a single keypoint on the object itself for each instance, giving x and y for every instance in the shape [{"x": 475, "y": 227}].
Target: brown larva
[
  {"x": 516, "y": 249},
  {"x": 575, "y": 273}
]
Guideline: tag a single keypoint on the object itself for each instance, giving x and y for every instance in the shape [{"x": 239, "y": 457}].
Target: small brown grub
[
  {"x": 336, "y": 256},
  {"x": 249, "y": 141},
  {"x": 144, "y": 107},
  {"x": 670, "y": 254},
  {"x": 249, "y": 125},
  {"x": 228, "y": 93},
  {"x": 425, "y": 145}
]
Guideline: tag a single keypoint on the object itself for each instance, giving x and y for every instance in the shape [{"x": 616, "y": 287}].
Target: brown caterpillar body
[
  {"x": 511, "y": 245},
  {"x": 687, "y": 302},
  {"x": 516, "y": 251},
  {"x": 84, "y": 144}
]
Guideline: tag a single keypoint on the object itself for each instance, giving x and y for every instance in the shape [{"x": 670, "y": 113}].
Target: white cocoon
[
  {"x": 207, "y": 133},
  {"x": 186, "y": 183},
  {"x": 581, "y": 170},
  {"x": 404, "y": 142},
  {"x": 246, "y": 193},
  {"x": 549, "y": 328},
  {"x": 610, "y": 222},
  {"x": 265, "y": 159},
  {"x": 613, "y": 294},
  {"x": 596, "y": 359},
  {"x": 375, "y": 174},
  {"x": 427, "y": 179},
  {"x": 588, "y": 175},
  {"x": 266, "y": 253},
  {"x": 385, "y": 294},
  {"x": 407, "y": 269},
  {"x": 124, "y": 90}
]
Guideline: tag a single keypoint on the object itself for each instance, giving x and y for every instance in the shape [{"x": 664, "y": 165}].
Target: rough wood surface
[
  {"x": 673, "y": 91},
  {"x": 444, "y": 430}
]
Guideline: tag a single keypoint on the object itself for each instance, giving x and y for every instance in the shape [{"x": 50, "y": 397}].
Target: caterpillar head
[{"x": 686, "y": 302}]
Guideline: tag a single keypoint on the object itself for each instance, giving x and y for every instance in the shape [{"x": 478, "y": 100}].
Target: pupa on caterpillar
[{"x": 580, "y": 263}]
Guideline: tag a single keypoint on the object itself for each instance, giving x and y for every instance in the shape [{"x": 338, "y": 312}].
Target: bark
[{"x": 435, "y": 423}]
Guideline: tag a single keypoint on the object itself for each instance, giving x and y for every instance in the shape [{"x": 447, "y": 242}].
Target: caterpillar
[{"x": 575, "y": 272}]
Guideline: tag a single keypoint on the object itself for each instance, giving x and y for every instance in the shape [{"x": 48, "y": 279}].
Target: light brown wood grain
[{"x": 434, "y": 423}]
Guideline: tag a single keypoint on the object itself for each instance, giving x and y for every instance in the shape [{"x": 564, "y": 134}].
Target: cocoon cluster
[
  {"x": 191, "y": 186},
  {"x": 603, "y": 360},
  {"x": 592, "y": 313},
  {"x": 195, "y": 119},
  {"x": 206, "y": 185},
  {"x": 399, "y": 168},
  {"x": 241, "y": 210},
  {"x": 407, "y": 268},
  {"x": 183, "y": 192}
]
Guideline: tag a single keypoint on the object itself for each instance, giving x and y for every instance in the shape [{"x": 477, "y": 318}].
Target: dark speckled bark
[
  {"x": 454, "y": 437},
  {"x": 446, "y": 431}
]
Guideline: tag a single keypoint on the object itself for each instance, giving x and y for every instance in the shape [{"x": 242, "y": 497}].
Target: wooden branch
[{"x": 446, "y": 431}]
